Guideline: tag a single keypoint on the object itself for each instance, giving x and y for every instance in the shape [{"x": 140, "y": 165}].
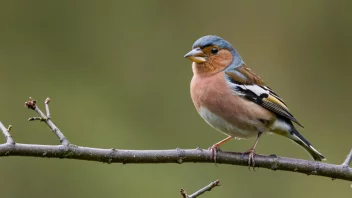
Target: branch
[
  {"x": 70, "y": 151},
  {"x": 177, "y": 156},
  {"x": 209, "y": 187}
]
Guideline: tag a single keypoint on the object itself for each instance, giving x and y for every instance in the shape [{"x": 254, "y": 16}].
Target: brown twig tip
[
  {"x": 183, "y": 193},
  {"x": 31, "y": 104},
  {"x": 216, "y": 183}
]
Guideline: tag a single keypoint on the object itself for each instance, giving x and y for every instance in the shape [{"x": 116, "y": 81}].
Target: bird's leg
[
  {"x": 251, "y": 151},
  {"x": 216, "y": 147}
]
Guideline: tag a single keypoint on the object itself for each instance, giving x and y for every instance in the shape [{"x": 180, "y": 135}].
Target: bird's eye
[{"x": 214, "y": 51}]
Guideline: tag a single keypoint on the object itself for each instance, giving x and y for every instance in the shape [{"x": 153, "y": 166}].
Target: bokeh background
[{"x": 117, "y": 78}]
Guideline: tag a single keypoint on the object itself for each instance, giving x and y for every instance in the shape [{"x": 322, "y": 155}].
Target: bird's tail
[
  {"x": 287, "y": 129},
  {"x": 299, "y": 139}
]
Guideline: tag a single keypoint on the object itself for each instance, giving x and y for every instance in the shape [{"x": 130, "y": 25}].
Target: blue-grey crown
[{"x": 206, "y": 41}]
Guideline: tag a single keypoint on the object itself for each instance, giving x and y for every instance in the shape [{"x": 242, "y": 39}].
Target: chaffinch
[{"x": 234, "y": 100}]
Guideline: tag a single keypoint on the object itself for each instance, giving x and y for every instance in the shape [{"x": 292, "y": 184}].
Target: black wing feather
[{"x": 261, "y": 99}]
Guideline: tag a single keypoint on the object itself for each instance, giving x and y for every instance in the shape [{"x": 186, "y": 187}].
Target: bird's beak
[{"x": 196, "y": 55}]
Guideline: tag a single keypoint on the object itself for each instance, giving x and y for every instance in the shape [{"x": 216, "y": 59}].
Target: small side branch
[
  {"x": 209, "y": 187},
  {"x": 6, "y": 132},
  {"x": 32, "y": 104},
  {"x": 348, "y": 160}
]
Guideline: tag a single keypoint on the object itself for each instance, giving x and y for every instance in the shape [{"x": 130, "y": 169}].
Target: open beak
[{"x": 196, "y": 55}]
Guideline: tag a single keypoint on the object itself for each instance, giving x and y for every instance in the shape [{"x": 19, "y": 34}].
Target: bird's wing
[{"x": 248, "y": 85}]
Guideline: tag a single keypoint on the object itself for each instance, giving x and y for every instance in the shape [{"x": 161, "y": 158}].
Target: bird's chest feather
[
  {"x": 219, "y": 107},
  {"x": 213, "y": 93},
  {"x": 209, "y": 91}
]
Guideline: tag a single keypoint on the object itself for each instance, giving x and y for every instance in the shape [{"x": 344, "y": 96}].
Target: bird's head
[{"x": 212, "y": 54}]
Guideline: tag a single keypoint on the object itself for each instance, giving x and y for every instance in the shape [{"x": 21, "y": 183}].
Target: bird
[{"x": 233, "y": 99}]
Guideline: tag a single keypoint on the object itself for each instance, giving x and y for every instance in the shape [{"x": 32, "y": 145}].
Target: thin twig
[
  {"x": 7, "y": 134},
  {"x": 31, "y": 104},
  {"x": 348, "y": 160},
  {"x": 47, "y": 108},
  {"x": 209, "y": 187}
]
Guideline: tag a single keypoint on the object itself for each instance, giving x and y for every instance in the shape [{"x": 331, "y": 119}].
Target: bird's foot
[
  {"x": 214, "y": 151},
  {"x": 251, "y": 153}
]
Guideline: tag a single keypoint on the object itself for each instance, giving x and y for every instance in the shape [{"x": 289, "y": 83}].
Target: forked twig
[
  {"x": 32, "y": 104},
  {"x": 209, "y": 187}
]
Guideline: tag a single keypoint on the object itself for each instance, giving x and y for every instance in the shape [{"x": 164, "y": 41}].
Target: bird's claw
[
  {"x": 214, "y": 151},
  {"x": 251, "y": 162}
]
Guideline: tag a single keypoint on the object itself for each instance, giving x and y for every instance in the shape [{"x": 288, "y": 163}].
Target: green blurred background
[{"x": 117, "y": 78}]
